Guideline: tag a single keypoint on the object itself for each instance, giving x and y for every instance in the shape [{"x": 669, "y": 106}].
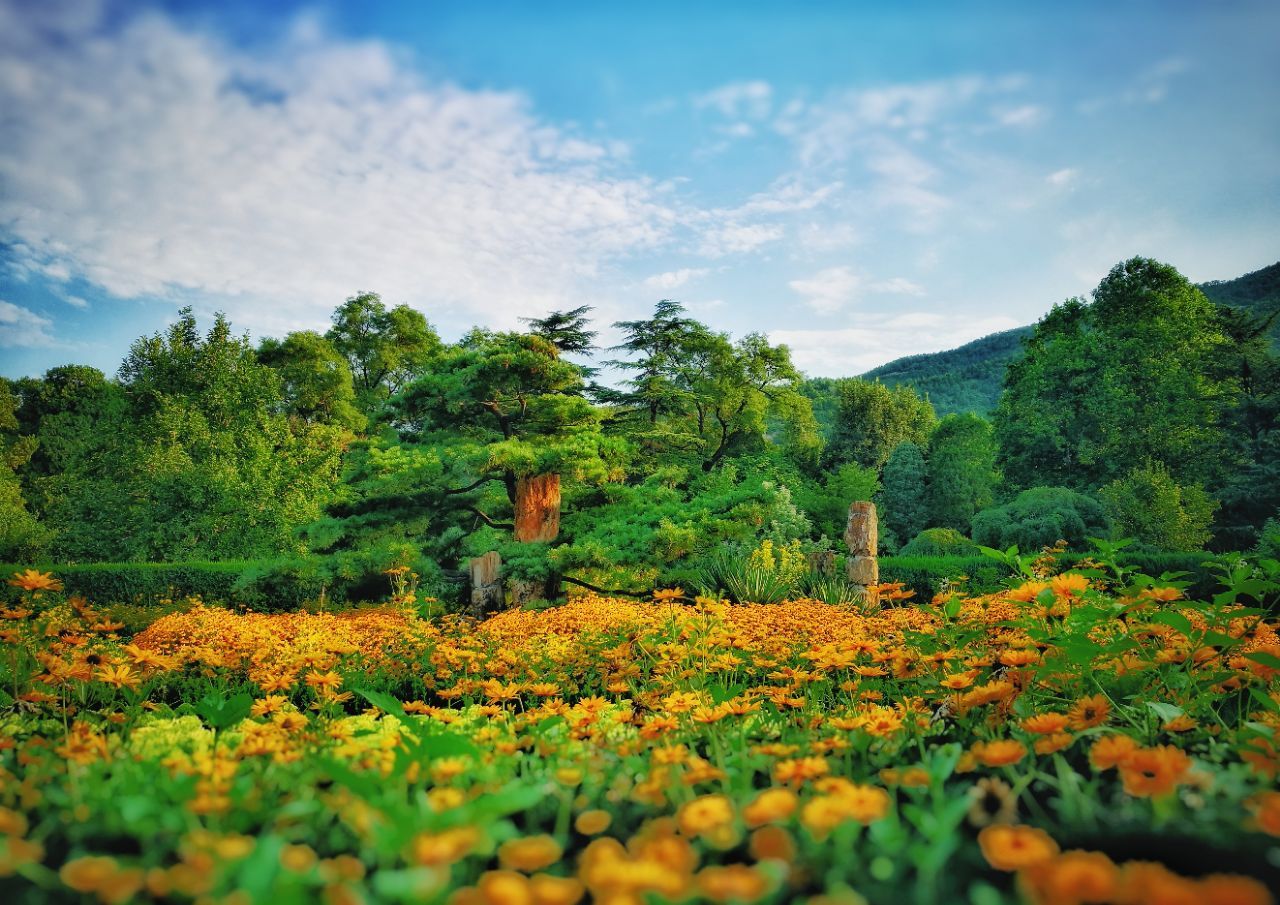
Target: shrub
[
  {"x": 940, "y": 542},
  {"x": 1148, "y": 505},
  {"x": 1040, "y": 517}
]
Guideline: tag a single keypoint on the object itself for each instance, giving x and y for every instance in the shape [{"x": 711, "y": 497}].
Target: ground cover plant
[{"x": 1092, "y": 736}]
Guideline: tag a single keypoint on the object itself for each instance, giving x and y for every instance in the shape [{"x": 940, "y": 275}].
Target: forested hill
[
  {"x": 1258, "y": 291},
  {"x": 968, "y": 379}
]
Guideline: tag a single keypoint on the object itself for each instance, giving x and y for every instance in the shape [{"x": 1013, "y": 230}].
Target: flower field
[{"x": 1080, "y": 739}]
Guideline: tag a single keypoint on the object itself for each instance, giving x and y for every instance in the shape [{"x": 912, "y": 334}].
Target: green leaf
[
  {"x": 222, "y": 713},
  {"x": 1164, "y": 711},
  {"x": 1174, "y": 619},
  {"x": 383, "y": 701},
  {"x": 1271, "y": 661}
]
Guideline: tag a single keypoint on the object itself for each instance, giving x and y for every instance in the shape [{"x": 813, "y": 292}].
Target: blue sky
[{"x": 860, "y": 181}]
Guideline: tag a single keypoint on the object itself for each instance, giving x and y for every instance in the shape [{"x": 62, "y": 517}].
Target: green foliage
[
  {"x": 960, "y": 380},
  {"x": 902, "y": 503},
  {"x": 385, "y": 349},
  {"x": 315, "y": 379},
  {"x": 939, "y": 542},
  {"x": 1147, "y": 504},
  {"x": 1040, "y": 517},
  {"x": 873, "y": 419},
  {"x": 654, "y": 533},
  {"x": 1137, "y": 376},
  {"x": 827, "y": 502},
  {"x": 190, "y": 457},
  {"x": 742, "y": 580},
  {"x": 962, "y": 470},
  {"x": 21, "y": 535},
  {"x": 696, "y": 397}
]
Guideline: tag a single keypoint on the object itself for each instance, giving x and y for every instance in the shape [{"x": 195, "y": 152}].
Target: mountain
[
  {"x": 1258, "y": 291},
  {"x": 966, "y": 379},
  {"x": 969, "y": 378}
]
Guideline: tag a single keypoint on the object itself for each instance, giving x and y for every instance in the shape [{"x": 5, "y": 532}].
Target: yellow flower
[
  {"x": 31, "y": 580},
  {"x": 592, "y": 823},
  {"x": 770, "y": 806},
  {"x": 704, "y": 815}
]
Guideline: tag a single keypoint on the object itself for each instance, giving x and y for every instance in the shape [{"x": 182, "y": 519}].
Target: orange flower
[
  {"x": 1045, "y": 723},
  {"x": 31, "y": 580},
  {"x": 1089, "y": 712},
  {"x": 1069, "y": 584},
  {"x": 802, "y": 769},
  {"x": 732, "y": 883},
  {"x": 704, "y": 815},
  {"x": 770, "y": 806},
  {"x": 530, "y": 853},
  {"x": 592, "y": 823},
  {"x": 1267, "y": 812},
  {"x": 1051, "y": 743},
  {"x": 1000, "y": 753},
  {"x": 1078, "y": 876},
  {"x": 1152, "y": 772},
  {"x": 772, "y": 843},
  {"x": 1015, "y": 847},
  {"x": 1111, "y": 751}
]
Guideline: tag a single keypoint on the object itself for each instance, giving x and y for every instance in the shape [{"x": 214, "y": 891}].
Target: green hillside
[{"x": 968, "y": 378}]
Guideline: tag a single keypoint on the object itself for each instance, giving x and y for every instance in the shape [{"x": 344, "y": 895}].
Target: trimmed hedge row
[
  {"x": 924, "y": 574},
  {"x": 279, "y": 585},
  {"x": 270, "y": 585}
]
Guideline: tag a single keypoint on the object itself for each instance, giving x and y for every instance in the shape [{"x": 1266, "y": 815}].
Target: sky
[{"x": 861, "y": 181}]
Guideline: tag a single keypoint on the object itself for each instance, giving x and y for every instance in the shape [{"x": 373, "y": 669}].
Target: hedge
[
  {"x": 261, "y": 585},
  {"x": 925, "y": 574}
]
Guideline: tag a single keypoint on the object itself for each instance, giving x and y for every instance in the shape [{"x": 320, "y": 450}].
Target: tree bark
[
  {"x": 537, "y": 520},
  {"x": 538, "y": 508}
]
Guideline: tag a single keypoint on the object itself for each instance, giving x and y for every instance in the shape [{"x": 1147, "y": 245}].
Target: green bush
[
  {"x": 926, "y": 574},
  {"x": 1040, "y": 517},
  {"x": 940, "y": 542}
]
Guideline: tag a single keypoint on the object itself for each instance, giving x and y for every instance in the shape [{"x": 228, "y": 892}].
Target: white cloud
[
  {"x": 1024, "y": 115},
  {"x": 673, "y": 279},
  {"x": 23, "y": 327},
  {"x": 738, "y": 238},
  {"x": 75, "y": 301},
  {"x": 828, "y": 290},
  {"x": 878, "y": 339},
  {"x": 751, "y": 99},
  {"x": 834, "y": 288},
  {"x": 152, "y": 160},
  {"x": 1063, "y": 178}
]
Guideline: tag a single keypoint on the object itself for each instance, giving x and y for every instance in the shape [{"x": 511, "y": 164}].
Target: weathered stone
[
  {"x": 863, "y": 570},
  {"x": 486, "y": 584},
  {"x": 861, "y": 534},
  {"x": 822, "y": 563}
]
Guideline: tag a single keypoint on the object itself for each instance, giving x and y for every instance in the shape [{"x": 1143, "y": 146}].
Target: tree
[
  {"x": 695, "y": 394},
  {"x": 1136, "y": 376},
  {"x": 22, "y": 537},
  {"x": 315, "y": 379},
  {"x": 962, "y": 471},
  {"x": 199, "y": 461},
  {"x": 904, "y": 509},
  {"x": 827, "y": 501},
  {"x": 1147, "y": 504},
  {"x": 873, "y": 419},
  {"x": 1040, "y": 517},
  {"x": 385, "y": 349}
]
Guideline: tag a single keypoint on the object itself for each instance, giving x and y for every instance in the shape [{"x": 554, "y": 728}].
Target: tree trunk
[
  {"x": 862, "y": 536},
  {"x": 538, "y": 508},
  {"x": 537, "y": 518}
]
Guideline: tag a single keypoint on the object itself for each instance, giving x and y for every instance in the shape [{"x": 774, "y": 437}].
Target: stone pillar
[
  {"x": 862, "y": 536},
  {"x": 486, "y": 584}
]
